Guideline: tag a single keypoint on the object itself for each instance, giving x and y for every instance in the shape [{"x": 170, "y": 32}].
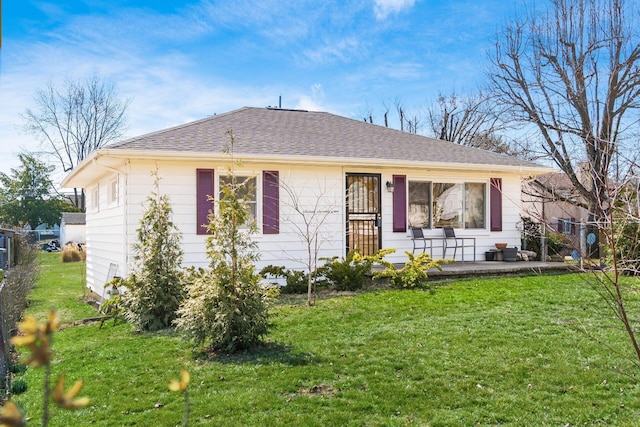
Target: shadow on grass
[{"x": 264, "y": 353}]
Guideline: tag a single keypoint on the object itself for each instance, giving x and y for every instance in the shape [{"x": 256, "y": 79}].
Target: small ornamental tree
[
  {"x": 155, "y": 289},
  {"x": 226, "y": 307}
]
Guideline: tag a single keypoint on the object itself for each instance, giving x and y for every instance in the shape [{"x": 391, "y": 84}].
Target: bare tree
[
  {"x": 308, "y": 219},
  {"x": 76, "y": 119},
  {"x": 571, "y": 75},
  {"x": 409, "y": 122},
  {"x": 473, "y": 121}
]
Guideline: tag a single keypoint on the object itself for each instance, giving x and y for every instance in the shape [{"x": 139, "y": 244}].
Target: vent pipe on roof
[{"x": 280, "y": 101}]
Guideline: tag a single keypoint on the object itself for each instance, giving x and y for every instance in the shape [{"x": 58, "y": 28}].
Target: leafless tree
[
  {"x": 472, "y": 120},
  {"x": 571, "y": 75},
  {"x": 73, "y": 120},
  {"x": 409, "y": 122},
  {"x": 308, "y": 218}
]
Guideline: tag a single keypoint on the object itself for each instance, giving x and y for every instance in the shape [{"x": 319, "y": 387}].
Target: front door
[{"x": 363, "y": 213}]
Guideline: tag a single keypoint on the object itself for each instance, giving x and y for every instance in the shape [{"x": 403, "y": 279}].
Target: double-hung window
[
  {"x": 245, "y": 190},
  {"x": 112, "y": 191},
  {"x": 95, "y": 198}
]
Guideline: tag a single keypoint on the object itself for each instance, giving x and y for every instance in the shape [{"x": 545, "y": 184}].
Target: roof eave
[{"x": 81, "y": 176}]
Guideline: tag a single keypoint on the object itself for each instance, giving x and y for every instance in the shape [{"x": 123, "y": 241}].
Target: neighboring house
[
  {"x": 364, "y": 183},
  {"x": 557, "y": 208},
  {"x": 73, "y": 227}
]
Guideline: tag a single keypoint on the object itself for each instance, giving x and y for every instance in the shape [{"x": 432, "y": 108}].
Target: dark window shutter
[
  {"x": 496, "y": 204},
  {"x": 573, "y": 226},
  {"x": 204, "y": 190},
  {"x": 399, "y": 203},
  {"x": 270, "y": 202}
]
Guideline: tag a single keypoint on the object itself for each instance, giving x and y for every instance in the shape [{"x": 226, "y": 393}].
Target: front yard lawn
[{"x": 529, "y": 351}]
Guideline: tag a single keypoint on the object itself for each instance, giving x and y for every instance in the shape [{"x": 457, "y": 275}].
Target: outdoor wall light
[{"x": 390, "y": 186}]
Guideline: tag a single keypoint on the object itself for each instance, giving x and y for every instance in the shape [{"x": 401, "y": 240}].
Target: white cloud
[
  {"x": 313, "y": 101},
  {"x": 384, "y": 8},
  {"x": 345, "y": 50}
]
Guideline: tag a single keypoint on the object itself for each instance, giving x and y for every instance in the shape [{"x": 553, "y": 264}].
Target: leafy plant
[
  {"x": 556, "y": 243},
  {"x": 18, "y": 386},
  {"x": 182, "y": 385},
  {"x": 155, "y": 289},
  {"x": 414, "y": 272},
  {"x": 296, "y": 280},
  {"x": 112, "y": 307},
  {"x": 37, "y": 338},
  {"x": 226, "y": 307},
  {"x": 18, "y": 368},
  {"x": 349, "y": 273}
]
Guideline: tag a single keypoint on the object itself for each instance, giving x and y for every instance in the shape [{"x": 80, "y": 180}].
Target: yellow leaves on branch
[
  {"x": 66, "y": 400},
  {"x": 11, "y": 416},
  {"x": 175, "y": 385},
  {"x": 37, "y": 338}
]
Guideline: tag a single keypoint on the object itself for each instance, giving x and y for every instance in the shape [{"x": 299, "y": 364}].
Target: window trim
[
  {"x": 113, "y": 191},
  {"x": 463, "y": 221},
  {"x": 95, "y": 198},
  {"x": 257, "y": 193}
]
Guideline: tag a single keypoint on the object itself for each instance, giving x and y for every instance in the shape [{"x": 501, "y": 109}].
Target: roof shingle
[{"x": 297, "y": 133}]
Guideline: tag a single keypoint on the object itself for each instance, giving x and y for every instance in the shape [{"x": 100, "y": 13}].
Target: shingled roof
[{"x": 297, "y": 133}]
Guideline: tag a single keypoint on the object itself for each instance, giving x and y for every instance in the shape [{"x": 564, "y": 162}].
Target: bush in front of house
[
  {"x": 296, "y": 280},
  {"x": 226, "y": 308},
  {"x": 156, "y": 287},
  {"x": 414, "y": 272},
  {"x": 349, "y": 273}
]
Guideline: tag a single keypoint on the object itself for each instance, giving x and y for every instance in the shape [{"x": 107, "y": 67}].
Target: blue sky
[{"x": 178, "y": 61}]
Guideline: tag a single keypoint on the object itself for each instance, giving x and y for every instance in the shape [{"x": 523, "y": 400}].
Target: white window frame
[
  {"x": 463, "y": 220},
  {"x": 429, "y": 203},
  {"x": 94, "y": 193},
  {"x": 113, "y": 191},
  {"x": 240, "y": 176}
]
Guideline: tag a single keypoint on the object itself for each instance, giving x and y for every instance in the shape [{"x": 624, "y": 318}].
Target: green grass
[
  {"x": 61, "y": 286},
  {"x": 511, "y": 351}
]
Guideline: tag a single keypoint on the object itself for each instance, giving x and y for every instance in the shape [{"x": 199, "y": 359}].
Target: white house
[
  {"x": 361, "y": 184},
  {"x": 73, "y": 227}
]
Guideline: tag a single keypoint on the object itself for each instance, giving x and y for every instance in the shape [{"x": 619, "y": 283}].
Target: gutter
[{"x": 247, "y": 158}]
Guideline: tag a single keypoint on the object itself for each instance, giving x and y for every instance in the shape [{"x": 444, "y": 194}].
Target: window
[
  {"x": 112, "y": 191},
  {"x": 204, "y": 192},
  {"x": 95, "y": 198},
  {"x": 419, "y": 203},
  {"x": 566, "y": 226},
  {"x": 205, "y": 185},
  {"x": 447, "y": 205},
  {"x": 474, "y": 205},
  {"x": 438, "y": 205},
  {"x": 245, "y": 189}
]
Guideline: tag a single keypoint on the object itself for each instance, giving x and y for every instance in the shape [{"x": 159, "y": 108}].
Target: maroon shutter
[
  {"x": 399, "y": 203},
  {"x": 496, "y": 204},
  {"x": 270, "y": 202},
  {"x": 204, "y": 190}
]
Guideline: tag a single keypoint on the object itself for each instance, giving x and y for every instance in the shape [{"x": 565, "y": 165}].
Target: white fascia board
[{"x": 110, "y": 158}]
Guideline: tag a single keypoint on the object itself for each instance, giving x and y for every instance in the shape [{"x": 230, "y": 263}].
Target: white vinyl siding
[{"x": 304, "y": 190}]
